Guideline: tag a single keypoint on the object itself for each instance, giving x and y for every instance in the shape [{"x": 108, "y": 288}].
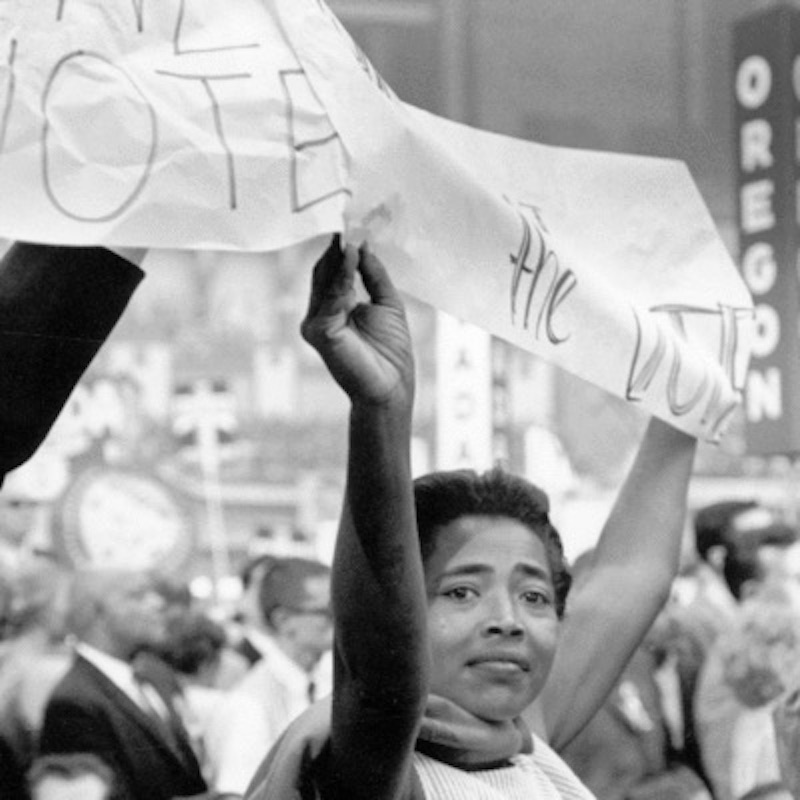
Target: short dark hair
[
  {"x": 282, "y": 584},
  {"x": 194, "y": 641},
  {"x": 743, "y": 561},
  {"x": 713, "y": 524},
  {"x": 443, "y": 497}
]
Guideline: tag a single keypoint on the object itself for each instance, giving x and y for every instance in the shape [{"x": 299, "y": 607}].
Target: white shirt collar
[
  {"x": 288, "y": 671},
  {"x": 119, "y": 672}
]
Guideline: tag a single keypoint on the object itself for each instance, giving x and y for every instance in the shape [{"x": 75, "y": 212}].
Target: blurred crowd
[
  {"x": 697, "y": 709},
  {"x": 117, "y": 684}
]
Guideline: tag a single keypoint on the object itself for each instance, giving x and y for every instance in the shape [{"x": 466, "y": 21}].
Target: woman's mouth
[{"x": 501, "y": 662}]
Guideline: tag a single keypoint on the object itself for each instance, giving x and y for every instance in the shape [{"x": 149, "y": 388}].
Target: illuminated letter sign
[
  {"x": 767, "y": 100},
  {"x": 464, "y": 396}
]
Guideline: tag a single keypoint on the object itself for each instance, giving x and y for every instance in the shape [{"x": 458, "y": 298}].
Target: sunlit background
[{"x": 206, "y": 431}]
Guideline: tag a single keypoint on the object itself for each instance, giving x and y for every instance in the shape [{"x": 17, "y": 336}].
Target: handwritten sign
[
  {"x": 256, "y": 125},
  {"x": 171, "y": 124}
]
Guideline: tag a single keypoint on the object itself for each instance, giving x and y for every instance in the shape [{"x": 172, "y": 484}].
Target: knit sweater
[
  {"x": 286, "y": 772},
  {"x": 541, "y": 775}
]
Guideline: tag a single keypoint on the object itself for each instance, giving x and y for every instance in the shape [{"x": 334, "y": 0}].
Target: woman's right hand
[{"x": 365, "y": 345}]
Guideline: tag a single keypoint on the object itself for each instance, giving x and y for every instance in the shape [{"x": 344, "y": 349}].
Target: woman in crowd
[{"x": 449, "y": 594}]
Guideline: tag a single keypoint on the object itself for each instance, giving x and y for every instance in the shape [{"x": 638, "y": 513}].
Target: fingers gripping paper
[{"x": 258, "y": 124}]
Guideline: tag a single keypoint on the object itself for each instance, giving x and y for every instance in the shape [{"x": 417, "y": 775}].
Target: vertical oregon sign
[{"x": 767, "y": 101}]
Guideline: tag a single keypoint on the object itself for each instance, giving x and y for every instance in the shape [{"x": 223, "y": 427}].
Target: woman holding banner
[{"x": 450, "y": 593}]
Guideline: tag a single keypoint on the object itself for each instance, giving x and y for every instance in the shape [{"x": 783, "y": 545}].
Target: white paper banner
[
  {"x": 170, "y": 124},
  {"x": 257, "y": 124}
]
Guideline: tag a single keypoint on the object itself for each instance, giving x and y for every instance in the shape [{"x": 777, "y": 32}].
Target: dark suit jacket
[
  {"x": 88, "y": 713},
  {"x": 12, "y": 771}
]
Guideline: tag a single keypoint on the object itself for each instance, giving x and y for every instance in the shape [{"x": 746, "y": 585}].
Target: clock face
[{"x": 124, "y": 519}]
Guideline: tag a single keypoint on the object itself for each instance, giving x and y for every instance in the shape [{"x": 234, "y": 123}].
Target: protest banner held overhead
[{"x": 258, "y": 125}]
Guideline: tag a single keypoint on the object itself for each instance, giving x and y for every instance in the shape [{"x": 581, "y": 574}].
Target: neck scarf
[
  {"x": 447, "y": 732},
  {"x": 453, "y": 735}
]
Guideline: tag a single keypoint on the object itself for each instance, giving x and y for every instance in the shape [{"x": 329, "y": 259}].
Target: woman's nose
[{"x": 503, "y": 617}]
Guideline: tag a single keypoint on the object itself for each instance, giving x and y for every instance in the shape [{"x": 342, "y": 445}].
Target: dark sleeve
[
  {"x": 12, "y": 770},
  {"x": 70, "y": 727},
  {"x": 57, "y": 306}
]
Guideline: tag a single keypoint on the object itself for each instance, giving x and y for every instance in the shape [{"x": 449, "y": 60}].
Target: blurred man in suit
[{"x": 102, "y": 707}]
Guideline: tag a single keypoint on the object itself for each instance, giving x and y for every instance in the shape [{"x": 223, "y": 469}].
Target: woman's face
[{"x": 492, "y": 623}]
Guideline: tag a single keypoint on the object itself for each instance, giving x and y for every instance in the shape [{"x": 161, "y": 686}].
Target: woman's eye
[
  {"x": 460, "y": 593},
  {"x": 535, "y": 597}
]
